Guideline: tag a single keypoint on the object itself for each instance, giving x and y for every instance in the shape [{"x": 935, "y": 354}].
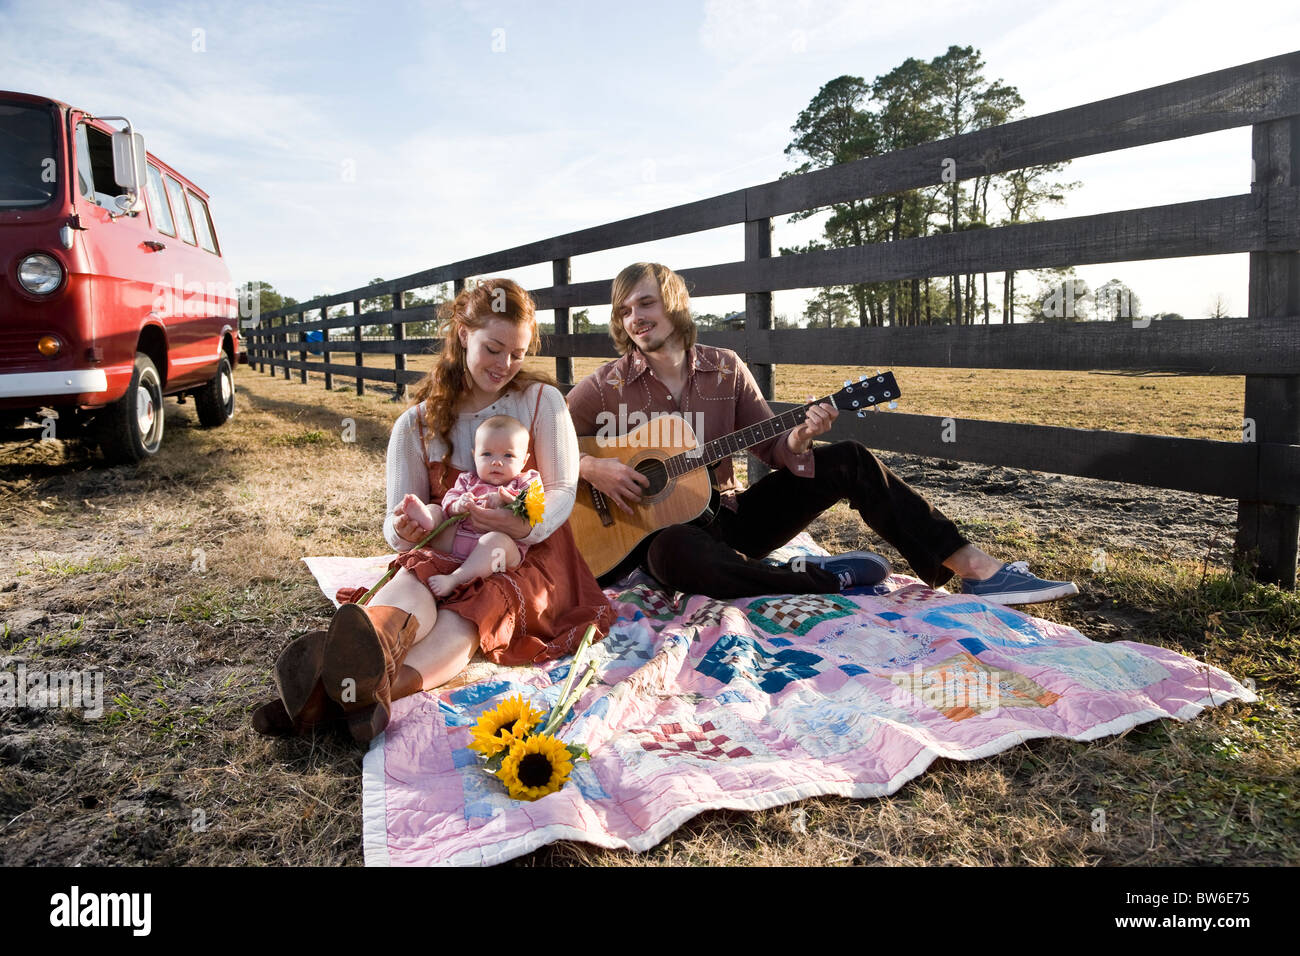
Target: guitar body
[
  {"x": 603, "y": 532},
  {"x": 666, "y": 450}
]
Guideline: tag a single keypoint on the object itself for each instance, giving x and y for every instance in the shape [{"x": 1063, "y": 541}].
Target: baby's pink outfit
[{"x": 471, "y": 485}]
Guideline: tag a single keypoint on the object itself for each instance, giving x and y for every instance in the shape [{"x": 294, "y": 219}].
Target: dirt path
[{"x": 1106, "y": 515}]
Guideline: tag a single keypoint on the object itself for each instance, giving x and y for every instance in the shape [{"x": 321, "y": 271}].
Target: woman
[{"x": 403, "y": 641}]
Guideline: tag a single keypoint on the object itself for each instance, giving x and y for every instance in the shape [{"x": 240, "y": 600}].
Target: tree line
[
  {"x": 849, "y": 119},
  {"x": 268, "y": 300},
  {"x": 919, "y": 102}
]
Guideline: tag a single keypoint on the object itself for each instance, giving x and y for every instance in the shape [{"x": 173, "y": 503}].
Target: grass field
[
  {"x": 181, "y": 579},
  {"x": 1191, "y": 407}
]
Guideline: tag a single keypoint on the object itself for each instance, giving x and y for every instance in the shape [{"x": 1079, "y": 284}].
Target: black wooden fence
[{"x": 1263, "y": 474}]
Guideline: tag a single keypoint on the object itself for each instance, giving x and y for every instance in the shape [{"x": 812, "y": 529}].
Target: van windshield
[{"x": 29, "y": 168}]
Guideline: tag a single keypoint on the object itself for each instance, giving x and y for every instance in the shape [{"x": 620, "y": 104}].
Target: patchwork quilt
[{"x": 703, "y": 704}]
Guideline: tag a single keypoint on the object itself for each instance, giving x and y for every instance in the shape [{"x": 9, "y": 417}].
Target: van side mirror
[{"x": 129, "y": 166}]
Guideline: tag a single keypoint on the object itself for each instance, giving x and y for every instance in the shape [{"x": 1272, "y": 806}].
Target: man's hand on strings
[{"x": 614, "y": 480}]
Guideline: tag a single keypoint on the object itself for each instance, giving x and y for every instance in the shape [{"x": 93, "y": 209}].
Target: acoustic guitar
[{"x": 666, "y": 451}]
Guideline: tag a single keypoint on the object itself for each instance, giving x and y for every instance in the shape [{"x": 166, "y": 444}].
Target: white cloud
[{"x": 458, "y": 151}]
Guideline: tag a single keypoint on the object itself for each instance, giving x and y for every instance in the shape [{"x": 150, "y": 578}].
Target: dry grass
[
  {"x": 181, "y": 579},
  {"x": 1187, "y": 406}
]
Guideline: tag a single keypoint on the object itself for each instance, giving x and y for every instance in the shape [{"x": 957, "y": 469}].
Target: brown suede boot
[
  {"x": 302, "y": 703},
  {"x": 363, "y": 652}
]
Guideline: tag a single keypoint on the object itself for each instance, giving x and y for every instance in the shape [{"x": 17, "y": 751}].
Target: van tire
[
  {"x": 131, "y": 429},
  {"x": 215, "y": 402}
]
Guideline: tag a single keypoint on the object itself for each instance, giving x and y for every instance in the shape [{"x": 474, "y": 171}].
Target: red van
[{"x": 114, "y": 292}]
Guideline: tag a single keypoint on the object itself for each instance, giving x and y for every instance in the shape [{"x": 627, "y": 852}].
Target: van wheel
[
  {"x": 131, "y": 429},
  {"x": 216, "y": 400}
]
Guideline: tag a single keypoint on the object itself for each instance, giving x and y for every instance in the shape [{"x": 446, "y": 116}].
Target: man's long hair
[{"x": 672, "y": 289}]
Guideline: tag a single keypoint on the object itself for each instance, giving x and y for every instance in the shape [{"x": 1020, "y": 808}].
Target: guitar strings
[
  {"x": 657, "y": 472},
  {"x": 716, "y": 450}
]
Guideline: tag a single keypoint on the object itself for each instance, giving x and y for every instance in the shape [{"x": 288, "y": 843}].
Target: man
[{"x": 664, "y": 371}]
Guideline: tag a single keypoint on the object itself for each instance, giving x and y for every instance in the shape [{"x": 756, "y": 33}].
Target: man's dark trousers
[{"x": 722, "y": 559}]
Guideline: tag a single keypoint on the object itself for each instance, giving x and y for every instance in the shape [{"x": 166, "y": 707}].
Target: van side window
[
  {"x": 95, "y": 167},
  {"x": 202, "y": 222},
  {"x": 176, "y": 193},
  {"x": 85, "y": 173},
  {"x": 162, "y": 215}
]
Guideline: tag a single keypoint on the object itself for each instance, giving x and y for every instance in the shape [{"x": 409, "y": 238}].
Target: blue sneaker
[
  {"x": 1013, "y": 584},
  {"x": 855, "y": 569}
]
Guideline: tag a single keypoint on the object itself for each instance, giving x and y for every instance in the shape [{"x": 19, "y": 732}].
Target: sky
[{"x": 342, "y": 142}]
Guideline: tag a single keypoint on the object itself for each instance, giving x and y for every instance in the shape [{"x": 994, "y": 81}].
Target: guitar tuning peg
[
  {"x": 862, "y": 413},
  {"x": 847, "y": 383},
  {"x": 893, "y": 405},
  {"x": 862, "y": 378}
]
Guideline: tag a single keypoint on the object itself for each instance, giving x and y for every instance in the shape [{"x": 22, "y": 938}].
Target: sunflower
[
  {"x": 535, "y": 766},
  {"x": 535, "y": 502},
  {"x": 497, "y": 729}
]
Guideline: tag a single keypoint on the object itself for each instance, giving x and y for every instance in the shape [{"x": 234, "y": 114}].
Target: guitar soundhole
[{"x": 655, "y": 470}]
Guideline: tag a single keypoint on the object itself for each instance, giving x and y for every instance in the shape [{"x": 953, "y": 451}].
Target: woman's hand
[
  {"x": 499, "y": 519},
  {"x": 407, "y": 529}
]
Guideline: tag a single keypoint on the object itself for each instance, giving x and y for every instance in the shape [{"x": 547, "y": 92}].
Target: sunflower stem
[
  {"x": 427, "y": 538},
  {"x": 573, "y": 669},
  {"x": 562, "y": 710}
]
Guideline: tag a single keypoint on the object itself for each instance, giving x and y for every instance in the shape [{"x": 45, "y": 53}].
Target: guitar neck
[{"x": 714, "y": 451}]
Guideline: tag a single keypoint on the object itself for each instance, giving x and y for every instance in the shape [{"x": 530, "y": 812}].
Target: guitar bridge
[{"x": 602, "y": 509}]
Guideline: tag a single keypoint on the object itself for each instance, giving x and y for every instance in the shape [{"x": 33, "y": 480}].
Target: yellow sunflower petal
[
  {"x": 535, "y": 502},
  {"x": 497, "y": 729},
  {"x": 535, "y": 767}
]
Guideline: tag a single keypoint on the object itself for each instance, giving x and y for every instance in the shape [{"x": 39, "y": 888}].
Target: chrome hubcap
[
  {"x": 227, "y": 389},
  {"x": 148, "y": 410},
  {"x": 145, "y": 412}
]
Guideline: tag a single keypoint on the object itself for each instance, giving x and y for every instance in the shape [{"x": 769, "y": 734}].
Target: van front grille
[{"x": 18, "y": 349}]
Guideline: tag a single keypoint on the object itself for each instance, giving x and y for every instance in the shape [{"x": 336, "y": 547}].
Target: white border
[{"x": 374, "y": 806}]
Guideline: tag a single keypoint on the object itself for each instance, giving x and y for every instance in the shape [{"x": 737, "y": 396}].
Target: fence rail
[{"x": 1263, "y": 475}]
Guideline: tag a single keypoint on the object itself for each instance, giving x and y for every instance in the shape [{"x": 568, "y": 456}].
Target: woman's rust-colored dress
[{"x": 534, "y": 612}]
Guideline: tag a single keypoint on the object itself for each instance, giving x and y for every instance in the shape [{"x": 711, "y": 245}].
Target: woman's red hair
[{"x": 449, "y": 380}]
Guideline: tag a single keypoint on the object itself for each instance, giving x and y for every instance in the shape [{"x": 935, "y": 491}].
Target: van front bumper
[{"x": 47, "y": 384}]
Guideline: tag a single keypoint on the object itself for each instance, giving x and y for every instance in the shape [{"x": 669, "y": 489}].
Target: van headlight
[{"x": 40, "y": 274}]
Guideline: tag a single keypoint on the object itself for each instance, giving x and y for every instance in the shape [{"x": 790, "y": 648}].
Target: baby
[{"x": 500, "y": 449}]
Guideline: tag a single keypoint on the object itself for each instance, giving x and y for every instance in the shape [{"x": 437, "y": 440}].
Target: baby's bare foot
[
  {"x": 417, "y": 511},
  {"x": 442, "y": 584}
]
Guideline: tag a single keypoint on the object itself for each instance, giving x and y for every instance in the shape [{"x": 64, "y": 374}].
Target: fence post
[
  {"x": 1267, "y": 533},
  {"x": 356, "y": 337},
  {"x": 325, "y": 350},
  {"x": 285, "y": 336},
  {"x": 302, "y": 349},
  {"x": 561, "y": 274},
  {"x": 399, "y": 358},
  {"x": 758, "y": 319},
  {"x": 274, "y": 347}
]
